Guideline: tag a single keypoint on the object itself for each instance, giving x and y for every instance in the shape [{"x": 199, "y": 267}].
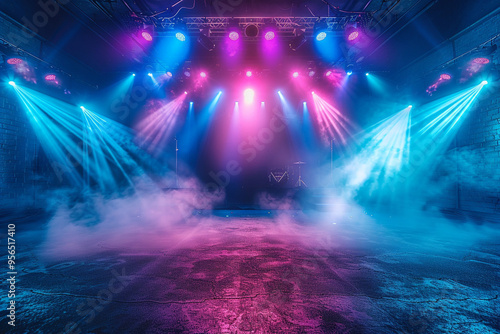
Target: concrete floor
[{"x": 263, "y": 272}]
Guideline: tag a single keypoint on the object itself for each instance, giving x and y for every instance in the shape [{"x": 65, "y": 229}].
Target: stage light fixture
[
  {"x": 169, "y": 74},
  {"x": 203, "y": 74},
  {"x": 353, "y": 35},
  {"x": 150, "y": 74},
  {"x": 367, "y": 73},
  {"x": 445, "y": 76},
  {"x": 50, "y": 77},
  {"x": 311, "y": 73},
  {"x": 484, "y": 82},
  {"x": 180, "y": 36},
  {"x": 248, "y": 95},
  {"x": 269, "y": 36},
  {"x": 12, "y": 83},
  {"x": 14, "y": 61},
  {"x": 133, "y": 74},
  {"x": 320, "y": 31},
  {"x": 312, "y": 93},
  {"x": 147, "y": 35},
  {"x": 234, "y": 35},
  {"x": 295, "y": 74},
  {"x": 251, "y": 30},
  {"x": 481, "y": 61},
  {"x": 249, "y": 74},
  {"x": 298, "y": 40},
  {"x": 328, "y": 73},
  {"x": 349, "y": 73},
  {"x": 185, "y": 92},
  {"x": 82, "y": 107},
  {"x": 205, "y": 40},
  {"x": 187, "y": 73}
]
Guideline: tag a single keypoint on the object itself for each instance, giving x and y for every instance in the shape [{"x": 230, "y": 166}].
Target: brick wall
[
  {"x": 476, "y": 150},
  {"x": 18, "y": 155}
]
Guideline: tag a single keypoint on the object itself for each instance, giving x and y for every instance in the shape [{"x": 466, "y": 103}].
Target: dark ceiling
[{"x": 98, "y": 32}]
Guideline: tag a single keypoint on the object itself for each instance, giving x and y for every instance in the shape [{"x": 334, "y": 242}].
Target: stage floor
[{"x": 263, "y": 272}]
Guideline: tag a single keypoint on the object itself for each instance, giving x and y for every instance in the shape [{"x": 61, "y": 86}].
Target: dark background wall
[{"x": 476, "y": 150}]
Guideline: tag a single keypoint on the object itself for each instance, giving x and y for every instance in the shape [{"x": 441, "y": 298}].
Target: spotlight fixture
[
  {"x": 180, "y": 36},
  {"x": 185, "y": 92},
  {"x": 328, "y": 73},
  {"x": 367, "y": 73},
  {"x": 187, "y": 73},
  {"x": 481, "y": 61},
  {"x": 269, "y": 32},
  {"x": 14, "y": 61},
  {"x": 445, "y": 76},
  {"x": 298, "y": 40},
  {"x": 248, "y": 95},
  {"x": 295, "y": 74},
  {"x": 320, "y": 30},
  {"x": 50, "y": 77},
  {"x": 12, "y": 83},
  {"x": 353, "y": 35},
  {"x": 234, "y": 35},
  {"x": 251, "y": 30},
  {"x": 82, "y": 107},
  {"x": 147, "y": 35},
  {"x": 312, "y": 93},
  {"x": 203, "y": 74},
  {"x": 484, "y": 82},
  {"x": 249, "y": 74},
  {"x": 150, "y": 74},
  {"x": 269, "y": 36},
  {"x": 349, "y": 73},
  {"x": 133, "y": 74},
  {"x": 205, "y": 41}
]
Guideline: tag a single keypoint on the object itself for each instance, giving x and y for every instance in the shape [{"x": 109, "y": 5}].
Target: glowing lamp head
[
  {"x": 295, "y": 74},
  {"x": 249, "y": 74},
  {"x": 12, "y": 83},
  {"x": 169, "y": 74},
  {"x": 187, "y": 73},
  {"x": 269, "y": 36},
  {"x": 248, "y": 95},
  {"x": 481, "y": 61},
  {"x": 367, "y": 74},
  {"x": 133, "y": 74},
  {"x": 312, "y": 93},
  {"x": 410, "y": 106},
  {"x": 185, "y": 92},
  {"x": 203, "y": 74},
  {"x": 82, "y": 107},
  {"x": 321, "y": 36},
  {"x": 14, "y": 61},
  {"x": 328, "y": 73},
  {"x": 147, "y": 36},
  {"x": 50, "y": 77},
  {"x": 349, "y": 73},
  {"x": 150, "y": 74},
  {"x": 180, "y": 36},
  {"x": 484, "y": 82},
  {"x": 353, "y": 36},
  {"x": 445, "y": 76},
  {"x": 234, "y": 35}
]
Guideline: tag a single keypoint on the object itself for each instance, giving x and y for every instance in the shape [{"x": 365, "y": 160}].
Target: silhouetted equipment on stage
[
  {"x": 300, "y": 182},
  {"x": 287, "y": 177},
  {"x": 279, "y": 177}
]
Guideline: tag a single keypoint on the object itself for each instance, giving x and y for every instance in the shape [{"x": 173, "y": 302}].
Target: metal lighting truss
[{"x": 285, "y": 26}]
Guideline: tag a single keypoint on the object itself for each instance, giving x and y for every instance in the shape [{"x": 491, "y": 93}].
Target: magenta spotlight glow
[
  {"x": 169, "y": 74},
  {"x": 248, "y": 95},
  {"x": 249, "y": 74},
  {"x": 332, "y": 123},
  {"x": 203, "y": 74},
  {"x": 50, "y": 77},
  {"x": 328, "y": 73},
  {"x": 185, "y": 92},
  {"x": 147, "y": 36},
  {"x": 269, "y": 36},
  {"x": 234, "y": 35},
  {"x": 295, "y": 74}
]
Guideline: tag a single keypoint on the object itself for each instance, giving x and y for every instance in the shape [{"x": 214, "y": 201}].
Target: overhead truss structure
[{"x": 285, "y": 26}]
